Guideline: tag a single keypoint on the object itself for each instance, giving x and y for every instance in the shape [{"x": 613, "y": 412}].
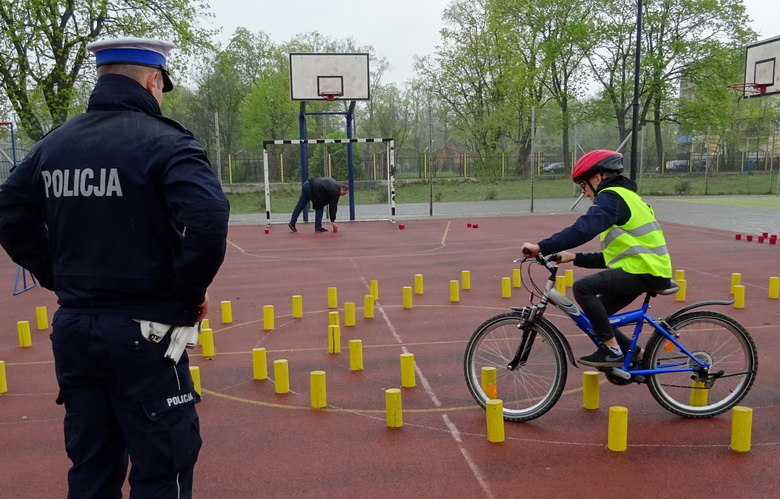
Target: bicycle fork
[{"x": 527, "y": 316}]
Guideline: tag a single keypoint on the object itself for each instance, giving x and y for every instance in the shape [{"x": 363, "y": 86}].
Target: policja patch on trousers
[{"x": 157, "y": 407}]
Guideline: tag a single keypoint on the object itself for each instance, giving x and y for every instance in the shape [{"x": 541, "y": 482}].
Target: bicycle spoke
[
  {"x": 532, "y": 387},
  {"x": 714, "y": 339}
]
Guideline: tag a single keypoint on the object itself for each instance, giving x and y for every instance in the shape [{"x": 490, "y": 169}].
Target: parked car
[
  {"x": 677, "y": 165},
  {"x": 683, "y": 165},
  {"x": 554, "y": 168}
]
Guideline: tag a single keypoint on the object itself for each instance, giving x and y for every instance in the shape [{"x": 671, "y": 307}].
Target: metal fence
[
  {"x": 242, "y": 172},
  {"x": 7, "y": 155},
  {"x": 434, "y": 185},
  {"x": 330, "y": 160}
]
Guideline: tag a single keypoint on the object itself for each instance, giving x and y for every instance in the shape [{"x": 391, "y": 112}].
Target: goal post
[{"x": 371, "y": 176}]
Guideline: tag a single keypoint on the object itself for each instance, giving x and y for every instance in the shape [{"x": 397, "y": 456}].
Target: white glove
[
  {"x": 182, "y": 337},
  {"x": 153, "y": 332}
]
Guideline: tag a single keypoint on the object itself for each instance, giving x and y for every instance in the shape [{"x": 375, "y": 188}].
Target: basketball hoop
[
  {"x": 330, "y": 95},
  {"x": 749, "y": 88}
]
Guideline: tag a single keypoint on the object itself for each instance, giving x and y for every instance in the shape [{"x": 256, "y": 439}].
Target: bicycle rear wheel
[
  {"x": 534, "y": 386},
  {"x": 716, "y": 339}
]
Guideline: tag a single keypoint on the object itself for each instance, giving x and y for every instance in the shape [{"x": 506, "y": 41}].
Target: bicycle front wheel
[
  {"x": 534, "y": 386},
  {"x": 714, "y": 338}
]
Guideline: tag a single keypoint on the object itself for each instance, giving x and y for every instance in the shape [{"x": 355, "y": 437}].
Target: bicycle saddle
[{"x": 672, "y": 289}]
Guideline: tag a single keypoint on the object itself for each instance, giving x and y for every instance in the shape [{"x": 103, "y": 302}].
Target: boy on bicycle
[{"x": 633, "y": 250}]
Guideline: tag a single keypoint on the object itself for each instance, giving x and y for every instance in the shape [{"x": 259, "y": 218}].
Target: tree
[
  {"x": 557, "y": 36},
  {"x": 422, "y": 110},
  {"x": 679, "y": 35},
  {"x": 612, "y": 60},
  {"x": 43, "y": 46},
  {"x": 468, "y": 75},
  {"x": 267, "y": 112},
  {"x": 228, "y": 78},
  {"x": 707, "y": 107},
  {"x": 388, "y": 114}
]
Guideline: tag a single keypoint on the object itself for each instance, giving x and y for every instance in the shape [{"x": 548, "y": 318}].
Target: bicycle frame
[
  {"x": 534, "y": 355},
  {"x": 638, "y": 317}
]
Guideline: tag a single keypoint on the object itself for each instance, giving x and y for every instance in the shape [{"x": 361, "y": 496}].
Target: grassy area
[
  {"x": 463, "y": 190},
  {"x": 722, "y": 185},
  {"x": 764, "y": 202}
]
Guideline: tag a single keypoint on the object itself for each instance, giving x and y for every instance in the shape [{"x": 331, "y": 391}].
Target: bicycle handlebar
[{"x": 541, "y": 259}]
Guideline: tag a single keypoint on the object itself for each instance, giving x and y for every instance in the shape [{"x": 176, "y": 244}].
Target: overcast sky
[{"x": 397, "y": 29}]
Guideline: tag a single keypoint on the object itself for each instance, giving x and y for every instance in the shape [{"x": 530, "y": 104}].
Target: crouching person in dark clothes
[
  {"x": 118, "y": 212},
  {"x": 322, "y": 192}
]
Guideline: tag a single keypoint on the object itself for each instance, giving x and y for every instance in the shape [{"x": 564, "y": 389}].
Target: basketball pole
[
  {"x": 350, "y": 161},
  {"x": 349, "y": 116},
  {"x": 303, "y": 136}
]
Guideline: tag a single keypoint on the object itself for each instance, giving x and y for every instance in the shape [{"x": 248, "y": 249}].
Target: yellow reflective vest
[{"x": 638, "y": 246}]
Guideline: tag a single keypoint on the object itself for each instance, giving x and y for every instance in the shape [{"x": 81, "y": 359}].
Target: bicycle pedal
[{"x": 620, "y": 373}]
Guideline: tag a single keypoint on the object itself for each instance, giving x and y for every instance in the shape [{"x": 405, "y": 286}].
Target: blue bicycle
[{"x": 696, "y": 364}]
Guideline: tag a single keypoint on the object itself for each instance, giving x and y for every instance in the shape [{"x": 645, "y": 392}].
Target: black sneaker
[
  {"x": 292, "y": 227},
  {"x": 603, "y": 357},
  {"x": 320, "y": 229}
]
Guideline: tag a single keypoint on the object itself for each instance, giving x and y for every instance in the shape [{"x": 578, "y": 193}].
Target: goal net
[{"x": 366, "y": 165}]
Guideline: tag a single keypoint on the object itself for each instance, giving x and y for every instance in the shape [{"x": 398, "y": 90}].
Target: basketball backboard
[
  {"x": 762, "y": 68},
  {"x": 329, "y": 76}
]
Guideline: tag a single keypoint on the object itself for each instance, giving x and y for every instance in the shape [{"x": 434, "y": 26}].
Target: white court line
[
  {"x": 470, "y": 462},
  {"x": 453, "y": 430},
  {"x": 421, "y": 377}
]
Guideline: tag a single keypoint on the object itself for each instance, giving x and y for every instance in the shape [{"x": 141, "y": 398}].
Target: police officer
[
  {"x": 633, "y": 247},
  {"x": 118, "y": 212}
]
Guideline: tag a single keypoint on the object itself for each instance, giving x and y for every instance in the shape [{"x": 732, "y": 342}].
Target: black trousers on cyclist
[{"x": 607, "y": 292}]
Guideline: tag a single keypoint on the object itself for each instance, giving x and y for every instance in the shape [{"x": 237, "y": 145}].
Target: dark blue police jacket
[{"x": 118, "y": 211}]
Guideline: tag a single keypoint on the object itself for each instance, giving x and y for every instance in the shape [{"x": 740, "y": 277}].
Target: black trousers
[
  {"x": 607, "y": 292},
  {"x": 123, "y": 399}
]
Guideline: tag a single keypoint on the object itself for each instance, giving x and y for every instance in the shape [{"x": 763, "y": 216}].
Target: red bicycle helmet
[{"x": 595, "y": 162}]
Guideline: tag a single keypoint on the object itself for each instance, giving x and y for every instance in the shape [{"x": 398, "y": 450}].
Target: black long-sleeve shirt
[{"x": 325, "y": 191}]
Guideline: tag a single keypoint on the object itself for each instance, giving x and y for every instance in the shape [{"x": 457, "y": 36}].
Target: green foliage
[
  {"x": 43, "y": 47},
  {"x": 683, "y": 187},
  {"x": 508, "y": 76},
  {"x": 554, "y": 38},
  {"x": 469, "y": 77},
  {"x": 387, "y": 114},
  {"x": 267, "y": 112}
]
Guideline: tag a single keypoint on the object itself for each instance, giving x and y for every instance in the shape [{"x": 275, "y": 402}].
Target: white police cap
[{"x": 132, "y": 50}]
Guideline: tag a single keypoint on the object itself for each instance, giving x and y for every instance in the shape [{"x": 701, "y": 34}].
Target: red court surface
[{"x": 261, "y": 444}]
